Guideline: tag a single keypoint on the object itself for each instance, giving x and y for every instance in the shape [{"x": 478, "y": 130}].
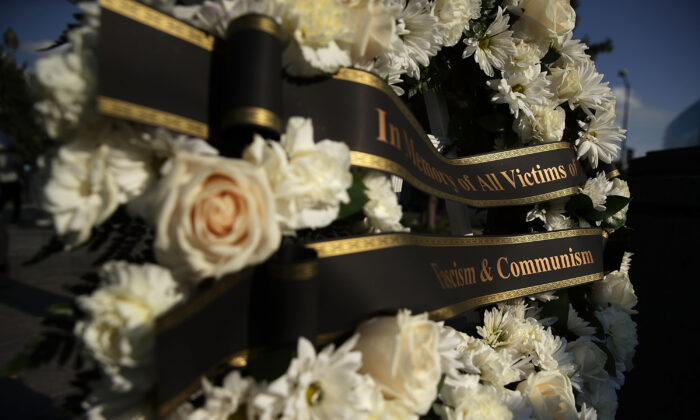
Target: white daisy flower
[
  {"x": 570, "y": 51},
  {"x": 521, "y": 90},
  {"x": 497, "y": 329},
  {"x": 418, "y": 36},
  {"x": 594, "y": 95},
  {"x": 493, "y": 47},
  {"x": 222, "y": 402},
  {"x": 319, "y": 386},
  {"x": 599, "y": 138}
]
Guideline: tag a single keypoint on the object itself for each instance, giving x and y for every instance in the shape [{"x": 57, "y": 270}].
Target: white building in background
[{"x": 684, "y": 130}]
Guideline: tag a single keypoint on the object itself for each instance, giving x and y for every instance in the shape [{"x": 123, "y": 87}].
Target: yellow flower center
[
  {"x": 314, "y": 393},
  {"x": 484, "y": 43},
  {"x": 518, "y": 88}
]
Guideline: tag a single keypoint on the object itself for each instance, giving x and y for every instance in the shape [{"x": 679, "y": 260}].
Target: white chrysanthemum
[
  {"x": 597, "y": 189},
  {"x": 497, "y": 330},
  {"x": 589, "y": 359},
  {"x": 621, "y": 332},
  {"x": 389, "y": 67},
  {"x": 121, "y": 314},
  {"x": 222, "y": 402},
  {"x": 67, "y": 80},
  {"x": 472, "y": 401},
  {"x": 571, "y": 51},
  {"x": 616, "y": 287},
  {"x": 516, "y": 307},
  {"x": 80, "y": 192},
  {"x": 578, "y": 325},
  {"x": 521, "y": 90},
  {"x": 492, "y": 367},
  {"x": 552, "y": 214},
  {"x": 383, "y": 211},
  {"x": 493, "y": 47},
  {"x": 418, "y": 36},
  {"x": 455, "y": 15},
  {"x": 545, "y": 126},
  {"x": 594, "y": 94},
  {"x": 320, "y": 386},
  {"x": 309, "y": 180}
]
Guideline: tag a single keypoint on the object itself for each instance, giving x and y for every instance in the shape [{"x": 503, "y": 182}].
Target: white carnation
[
  {"x": 309, "y": 180},
  {"x": 455, "y": 15},
  {"x": 621, "y": 333},
  {"x": 80, "y": 191},
  {"x": 118, "y": 330},
  {"x": 597, "y": 189},
  {"x": 383, "y": 210},
  {"x": 472, "y": 401},
  {"x": 545, "y": 126}
]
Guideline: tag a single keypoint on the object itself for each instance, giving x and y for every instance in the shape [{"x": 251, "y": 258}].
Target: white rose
[
  {"x": 615, "y": 288},
  {"x": 214, "y": 216},
  {"x": 589, "y": 359},
  {"x": 550, "y": 395},
  {"x": 546, "y": 19},
  {"x": 545, "y": 126},
  {"x": 383, "y": 210},
  {"x": 309, "y": 180},
  {"x": 401, "y": 354},
  {"x": 120, "y": 318},
  {"x": 621, "y": 332},
  {"x": 566, "y": 84},
  {"x": 374, "y": 25},
  {"x": 79, "y": 192}
]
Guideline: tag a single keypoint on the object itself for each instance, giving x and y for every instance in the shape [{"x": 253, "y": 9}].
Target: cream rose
[
  {"x": 214, "y": 216},
  {"x": 374, "y": 26},
  {"x": 401, "y": 354},
  {"x": 550, "y": 395},
  {"x": 120, "y": 317},
  {"x": 546, "y": 19},
  {"x": 615, "y": 288}
]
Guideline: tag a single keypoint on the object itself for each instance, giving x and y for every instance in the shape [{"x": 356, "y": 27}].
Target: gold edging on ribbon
[
  {"x": 143, "y": 114},
  {"x": 254, "y": 22},
  {"x": 367, "y": 160},
  {"x": 371, "y": 80},
  {"x": 252, "y": 115},
  {"x": 334, "y": 248},
  {"x": 294, "y": 272},
  {"x": 613, "y": 174},
  {"x": 457, "y": 308},
  {"x": 160, "y": 21},
  {"x": 196, "y": 304}
]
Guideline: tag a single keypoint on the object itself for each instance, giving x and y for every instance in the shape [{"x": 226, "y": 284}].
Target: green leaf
[
  {"x": 551, "y": 56},
  {"x": 493, "y": 123},
  {"x": 270, "y": 365},
  {"x": 615, "y": 203},
  {"x": 358, "y": 198},
  {"x": 579, "y": 204},
  {"x": 64, "y": 309},
  {"x": 559, "y": 309}
]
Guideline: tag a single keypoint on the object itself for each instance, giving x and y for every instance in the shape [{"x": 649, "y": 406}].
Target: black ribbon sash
[
  {"x": 352, "y": 279},
  {"x": 157, "y": 70}
]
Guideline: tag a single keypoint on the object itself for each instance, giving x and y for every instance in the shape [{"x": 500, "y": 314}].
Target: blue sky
[{"x": 658, "y": 43}]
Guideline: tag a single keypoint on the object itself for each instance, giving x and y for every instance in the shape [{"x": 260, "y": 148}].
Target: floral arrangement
[{"x": 512, "y": 76}]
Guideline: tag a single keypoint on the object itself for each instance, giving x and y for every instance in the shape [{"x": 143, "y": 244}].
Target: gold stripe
[
  {"x": 456, "y": 309},
  {"x": 255, "y": 23},
  {"x": 371, "y": 80},
  {"x": 367, "y": 160},
  {"x": 143, "y": 114},
  {"x": 294, "y": 272},
  {"x": 252, "y": 115},
  {"x": 175, "y": 317},
  {"x": 334, "y": 248},
  {"x": 613, "y": 174},
  {"x": 160, "y": 21}
]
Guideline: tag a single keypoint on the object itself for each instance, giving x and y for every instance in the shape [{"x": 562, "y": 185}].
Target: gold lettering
[
  {"x": 395, "y": 136},
  {"x": 382, "y": 125},
  {"x": 498, "y": 267}
]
